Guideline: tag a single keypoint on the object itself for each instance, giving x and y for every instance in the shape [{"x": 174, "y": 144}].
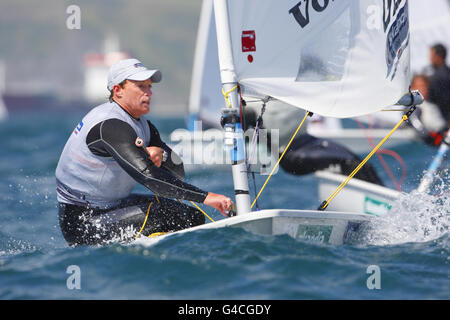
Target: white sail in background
[
  {"x": 206, "y": 99},
  {"x": 335, "y": 58},
  {"x": 429, "y": 25}
]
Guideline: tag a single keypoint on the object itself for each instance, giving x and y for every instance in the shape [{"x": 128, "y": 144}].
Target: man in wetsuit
[
  {"x": 427, "y": 120},
  {"x": 439, "y": 86},
  {"x": 111, "y": 150}
]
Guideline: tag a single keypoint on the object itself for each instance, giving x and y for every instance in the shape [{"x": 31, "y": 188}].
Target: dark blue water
[{"x": 411, "y": 248}]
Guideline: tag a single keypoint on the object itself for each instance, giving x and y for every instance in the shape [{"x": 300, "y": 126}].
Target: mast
[
  {"x": 3, "y": 110},
  {"x": 233, "y": 137}
]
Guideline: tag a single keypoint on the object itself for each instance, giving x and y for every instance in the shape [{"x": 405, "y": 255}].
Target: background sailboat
[
  {"x": 205, "y": 102},
  {"x": 429, "y": 24},
  {"x": 362, "y": 196}
]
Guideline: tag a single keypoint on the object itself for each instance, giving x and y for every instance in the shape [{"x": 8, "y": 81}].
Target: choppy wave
[
  {"x": 410, "y": 245},
  {"x": 414, "y": 217}
]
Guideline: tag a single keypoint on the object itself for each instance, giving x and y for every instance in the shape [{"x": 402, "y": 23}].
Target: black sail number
[
  {"x": 390, "y": 8},
  {"x": 301, "y": 10},
  {"x": 318, "y": 7}
]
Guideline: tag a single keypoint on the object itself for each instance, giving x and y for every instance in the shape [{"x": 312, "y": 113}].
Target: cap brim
[{"x": 155, "y": 75}]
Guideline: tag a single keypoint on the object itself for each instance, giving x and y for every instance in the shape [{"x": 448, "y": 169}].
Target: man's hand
[
  {"x": 155, "y": 154},
  {"x": 219, "y": 202}
]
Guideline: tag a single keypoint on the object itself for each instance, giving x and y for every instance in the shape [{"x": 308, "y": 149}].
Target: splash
[
  {"x": 414, "y": 217},
  {"x": 16, "y": 246}
]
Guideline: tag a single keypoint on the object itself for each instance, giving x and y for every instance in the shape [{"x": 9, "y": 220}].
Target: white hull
[
  {"x": 317, "y": 226},
  {"x": 356, "y": 196}
]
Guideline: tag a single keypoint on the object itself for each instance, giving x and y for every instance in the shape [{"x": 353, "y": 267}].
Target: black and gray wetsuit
[{"x": 98, "y": 170}]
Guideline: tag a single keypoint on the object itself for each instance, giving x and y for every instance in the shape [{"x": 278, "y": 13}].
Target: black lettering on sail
[
  {"x": 389, "y": 12},
  {"x": 386, "y": 13},
  {"x": 316, "y": 5},
  {"x": 396, "y": 6},
  {"x": 302, "y": 20}
]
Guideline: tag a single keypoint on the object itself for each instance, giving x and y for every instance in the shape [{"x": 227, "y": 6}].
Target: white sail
[
  {"x": 335, "y": 58},
  {"x": 205, "y": 100}
]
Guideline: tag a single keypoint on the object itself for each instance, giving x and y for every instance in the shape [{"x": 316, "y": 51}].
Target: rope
[
  {"x": 226, "y": 94},
  {"x": 396, "y": 156},
  {"x": 155, "y": 234},
  {"x": 281, "y": 157},
  {"x": 344, "y": 183},
  {"x": 202, "y": 211},
  {"x": 255, "y": 136},
  {"x": 145, "y": 220},
  {"x": 253, "y": 144}
]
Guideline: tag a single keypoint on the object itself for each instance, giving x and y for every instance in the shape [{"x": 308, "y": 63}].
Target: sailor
[
  {"x": 427, "y": 120},
  {"x": 439, "y": 86},
  {"x": 111, "y": 150},
  {"x": 307, "y": 153}
]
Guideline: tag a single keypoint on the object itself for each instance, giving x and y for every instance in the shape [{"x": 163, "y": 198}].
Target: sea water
[{"x": 404, "y": 255}]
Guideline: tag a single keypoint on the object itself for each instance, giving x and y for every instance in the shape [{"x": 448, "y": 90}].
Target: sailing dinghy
[
  {"x": 338, "y": 59},
  {"x": 362, "y": 196}
]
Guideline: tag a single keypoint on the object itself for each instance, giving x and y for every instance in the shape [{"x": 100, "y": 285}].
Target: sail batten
[{"x": 336, "y": 58}]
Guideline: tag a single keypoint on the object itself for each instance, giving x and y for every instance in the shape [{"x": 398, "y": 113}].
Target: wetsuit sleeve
[
  {"x": 116, "y": 138},
  {"x": 173, "y": 163}
]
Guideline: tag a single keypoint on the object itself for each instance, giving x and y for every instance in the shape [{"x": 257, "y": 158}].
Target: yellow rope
[
  {"x": 334, "y": 194},
  {"x": 156, "y": 234},
  {"x": 202, "y": 211},
  {"x": 145, "y": 220},
  {"x": 278, "y": 162},
  {"x": 226, "y": 94}
]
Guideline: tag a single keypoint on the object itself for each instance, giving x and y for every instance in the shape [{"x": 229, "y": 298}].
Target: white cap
[{"x": 131, "y": 69}]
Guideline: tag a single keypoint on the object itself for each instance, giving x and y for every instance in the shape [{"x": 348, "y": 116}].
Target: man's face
[
  {"x": 135, "y": 96},
  {"x": 421, "y": 85},
  {"x": 435, "y": 59}
]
